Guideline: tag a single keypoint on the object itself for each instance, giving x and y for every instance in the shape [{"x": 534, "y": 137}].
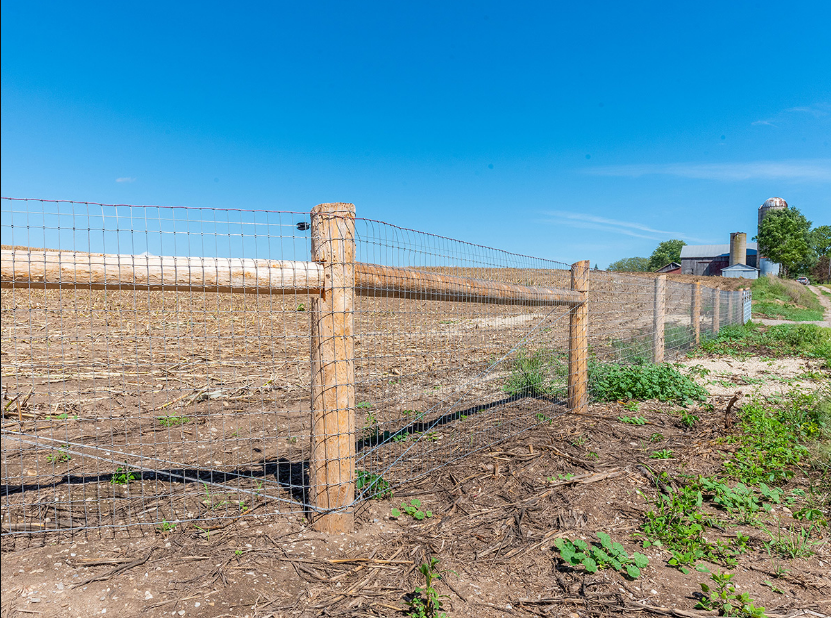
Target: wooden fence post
[
  {"x": 696, "y": 311},
  {"x": 578, "y": 341},
  {"x": 716, "y": 311},
  {"x": 332, "y": 461},
  {"x": 731, "y": 319},
  {"x": 658, "y": 311}
]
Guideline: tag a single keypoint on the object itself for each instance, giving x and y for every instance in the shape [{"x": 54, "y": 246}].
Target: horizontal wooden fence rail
[{"x": 65, "y": 269}]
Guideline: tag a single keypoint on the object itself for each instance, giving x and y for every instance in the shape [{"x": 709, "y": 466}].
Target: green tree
[
  {"x": 666, "y": 252},
  {"x": 821, "y": 239},
  {"x": 631, "y": 265},
  {"x": 785, "y": 237}
]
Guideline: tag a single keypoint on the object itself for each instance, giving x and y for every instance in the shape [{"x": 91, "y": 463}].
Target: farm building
[
  {"x": 740, "y": 271},
  {"x": 711, "y": 259},
  {"x": 672, "y": 267}
]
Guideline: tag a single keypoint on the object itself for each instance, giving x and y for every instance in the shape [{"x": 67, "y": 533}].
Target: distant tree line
[{"x": 666, "y": 252}]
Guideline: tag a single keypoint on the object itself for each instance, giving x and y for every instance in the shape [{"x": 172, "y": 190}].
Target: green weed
[
  {"x": 172, "y": 421},
  {"x": 740, "y": 501},
  {"x": 533, "y": 375},
  {"x": 806, "y": 340},
  {"x": 560, "y": 477},
  {"x": 790, "y": 542},
  {"x": 413, "y": 509},
  {"x": 426, "y": 602},
  {"x": 123, "y": 475},
  {"x": 167, "y": 526},
  {"x": 774, "y": 438},
  {"x": 375, "y": 484},
  {"x": 677, "y": 523},
  {"x": 596, "y": 557},
  {"x": 724, "y": 598},
  {"x": 663, "y": 382},
  {"x": 632, "y": 420},
  {"x": 689, "y": 420},
  {"x": 60, "y": 455},
  {"x": 665, "y": 453}
]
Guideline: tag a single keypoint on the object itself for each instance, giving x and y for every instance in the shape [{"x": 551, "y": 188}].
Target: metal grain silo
[
  {"x": 738, "y": 248},
  {"x": 773, "y": 203}
]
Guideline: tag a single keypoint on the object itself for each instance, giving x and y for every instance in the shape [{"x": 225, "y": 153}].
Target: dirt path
[{"x": 826, "y": 303}]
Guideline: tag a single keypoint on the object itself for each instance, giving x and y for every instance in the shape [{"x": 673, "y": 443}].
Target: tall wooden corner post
[
  {"x": 658, "y": 311},
  {"x": 332, "y": 462},
  {"x": 695, "y": 316},
  {"x": 578, "y": 341}
]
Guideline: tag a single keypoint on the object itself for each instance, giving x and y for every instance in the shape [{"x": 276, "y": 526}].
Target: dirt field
[
  {"x": 171, "y": 431},
  {"x": 495, "y": 518},
  {"x": 182, "y": 390}
]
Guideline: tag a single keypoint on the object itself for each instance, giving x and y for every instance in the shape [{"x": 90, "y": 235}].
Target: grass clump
[
  {"x": 786, "y": 312},
  {"x": 535, "y": 375},
  {"x": 807, "y": 340},
  {"x": 173, "y": 421},
  {"x": 784, "y": 293},
  {"x": 663, "y": 382},
  {"x": 775, "y": 438},
  {"x": 790, "y": 542}
]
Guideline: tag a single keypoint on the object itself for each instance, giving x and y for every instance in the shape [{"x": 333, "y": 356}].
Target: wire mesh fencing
[{"x": 168, "y": 365}]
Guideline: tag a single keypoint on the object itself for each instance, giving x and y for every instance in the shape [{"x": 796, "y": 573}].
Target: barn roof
[
  {"x": 741, "y": 267},
  {"x": 702, "y": 251}
]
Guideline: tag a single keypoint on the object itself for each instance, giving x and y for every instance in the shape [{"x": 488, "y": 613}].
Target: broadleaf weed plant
[
  {"x": 413, "y": 509},
  {"x": 598, "y": 556},
  {"x": 724, "y": 598},
  {"x": 426, "y": 602}
]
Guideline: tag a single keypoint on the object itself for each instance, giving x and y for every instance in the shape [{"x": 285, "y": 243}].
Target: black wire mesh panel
[
  {"x": 441, "y": 378},
  {"x": 127, "y": 407}
]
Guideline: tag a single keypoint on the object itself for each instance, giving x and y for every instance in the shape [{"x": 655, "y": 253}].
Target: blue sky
[{"x": 568, "y": 131}]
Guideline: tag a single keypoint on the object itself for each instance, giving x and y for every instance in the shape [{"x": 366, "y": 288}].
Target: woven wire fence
[
  {"x": 140, "y": 392},
  {"x": 439, "y": 379}
]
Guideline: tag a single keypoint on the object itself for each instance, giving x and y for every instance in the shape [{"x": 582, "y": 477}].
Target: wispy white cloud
[
  {"x": 813, "y": 169},
  {"x": 817, "y": 110},
  {"x": 628, "y": 228},
  {"x": 125, "y": 179}
]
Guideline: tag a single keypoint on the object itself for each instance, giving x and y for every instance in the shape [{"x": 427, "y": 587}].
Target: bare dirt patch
[
  {"x": 495, "y": 518},
  {"x": 755, "y": 376}
]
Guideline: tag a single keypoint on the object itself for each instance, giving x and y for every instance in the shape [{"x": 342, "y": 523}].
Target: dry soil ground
[{"x": 495, "y": 518}]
